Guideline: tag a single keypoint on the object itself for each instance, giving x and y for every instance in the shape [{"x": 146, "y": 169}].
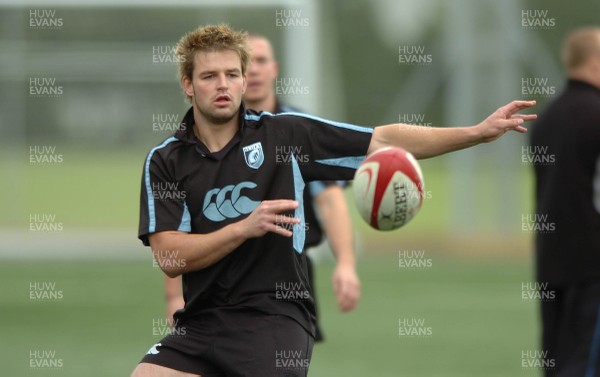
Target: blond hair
[
  {"x": 579, "y": 46},
  {"x": 210, "y": 38}
]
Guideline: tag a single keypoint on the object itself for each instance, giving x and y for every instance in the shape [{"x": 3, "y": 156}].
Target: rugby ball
[{"x": 388, "y": 188}]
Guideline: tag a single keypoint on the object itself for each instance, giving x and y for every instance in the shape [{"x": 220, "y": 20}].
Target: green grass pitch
[{"x": 105, "y": 318}]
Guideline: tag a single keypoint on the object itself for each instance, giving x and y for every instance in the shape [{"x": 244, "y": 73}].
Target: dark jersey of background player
[
  {"x": 314, "y": 232},
  {"x": 269, "y": 273},
  {"x": 565, "y": 146}
]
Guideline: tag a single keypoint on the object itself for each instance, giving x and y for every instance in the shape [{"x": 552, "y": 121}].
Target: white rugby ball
[{"x": 388, "y": 188}]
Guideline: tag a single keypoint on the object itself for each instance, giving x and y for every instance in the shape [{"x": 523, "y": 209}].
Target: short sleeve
[
  {"x": 317, "y": 187},
  {"x": 162, "y": 199},
  {"x": 325, "y": 150}
]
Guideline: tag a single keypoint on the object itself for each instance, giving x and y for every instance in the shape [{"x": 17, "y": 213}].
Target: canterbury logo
[{"x": 228, "y": 202}]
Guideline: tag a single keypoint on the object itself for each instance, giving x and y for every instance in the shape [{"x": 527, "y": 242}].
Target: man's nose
[{"x": 222, "y": 83}]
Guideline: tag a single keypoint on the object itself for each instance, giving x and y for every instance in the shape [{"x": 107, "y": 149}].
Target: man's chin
[
  {"x": 222, "y": 120},
  {"x": 219, "y": 117},
  {"x": 250, "y": 98}
]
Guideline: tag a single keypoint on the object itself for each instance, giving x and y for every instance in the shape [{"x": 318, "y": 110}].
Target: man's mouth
[
  {"x": 222, "y": 100},
  {"x": 254, "y": 84}
]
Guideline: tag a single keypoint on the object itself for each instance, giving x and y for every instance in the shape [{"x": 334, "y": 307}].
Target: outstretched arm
[{"x": 425, "y": 142}]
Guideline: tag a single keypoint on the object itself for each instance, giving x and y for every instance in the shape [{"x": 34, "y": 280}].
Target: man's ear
[
  {"x": 245, "y": 83},
  {"x": 186, "y": 84}
]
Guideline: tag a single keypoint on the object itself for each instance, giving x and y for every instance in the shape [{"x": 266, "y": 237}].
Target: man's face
[
  {"x": 217, "y": 85},
  {"x": 262, "y": 71}
]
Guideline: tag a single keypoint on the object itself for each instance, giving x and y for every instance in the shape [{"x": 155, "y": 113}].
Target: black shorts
[
  {"x": 236, "y": 342},
  {"x": 571, "y": 330}
]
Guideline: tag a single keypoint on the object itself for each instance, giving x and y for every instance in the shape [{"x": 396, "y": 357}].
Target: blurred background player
[
  {"x": 568, "y": 196},
  {"x": 328, "y": 196}
]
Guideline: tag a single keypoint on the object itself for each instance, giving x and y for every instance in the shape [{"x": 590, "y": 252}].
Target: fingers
[
  {"x": 347, "y": 291},
  {"x": 515, "y": 106},
  {"x": 512, "y": 121},
  {"x": 525, "y": 117},
  {"x": 269, "y": 217},
  {"x": 280, "y": 205},
  {"x": 283, "y": 225},
  {"x": 520, "y": 129},
  {"x": 518, "y": 119},
  {"x": 347, "y": 297},
  {"x": 281, "y": 231},
  {"x": 513, "y": 124}
]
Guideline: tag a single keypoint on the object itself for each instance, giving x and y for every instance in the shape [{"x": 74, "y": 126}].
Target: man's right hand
[{"x": 268, "y": 217}]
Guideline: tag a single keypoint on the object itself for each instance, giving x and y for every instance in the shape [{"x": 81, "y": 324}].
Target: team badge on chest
[{"x": 253, "y": 154}]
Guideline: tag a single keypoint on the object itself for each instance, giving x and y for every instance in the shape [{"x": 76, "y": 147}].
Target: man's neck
[
  {"x": 214, "y": 136},
  {"x": 268, "y": 104}
]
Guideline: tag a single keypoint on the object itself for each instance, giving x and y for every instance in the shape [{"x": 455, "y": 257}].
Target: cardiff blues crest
[{"x": 253, "y": 154}]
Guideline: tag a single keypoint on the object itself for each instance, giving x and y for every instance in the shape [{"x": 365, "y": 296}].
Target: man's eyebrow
[
  {"x": 213, "y": 71},
  {"x": 208, "y": 71}
]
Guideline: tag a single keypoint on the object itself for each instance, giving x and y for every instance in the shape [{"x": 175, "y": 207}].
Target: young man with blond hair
[
  {"x": 237, "y": 236},
  {"x": 326, "y": 197}
]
